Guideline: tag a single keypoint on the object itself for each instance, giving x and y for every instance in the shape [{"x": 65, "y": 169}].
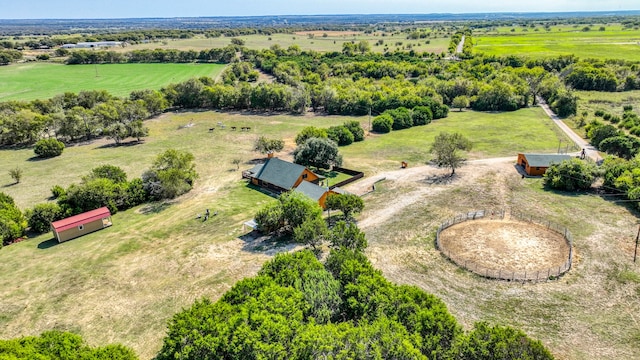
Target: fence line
[{"x": 537, "y": 275}]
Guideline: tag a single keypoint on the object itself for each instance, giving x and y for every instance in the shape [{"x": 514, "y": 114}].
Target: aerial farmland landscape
[{"x": 346, "y": 180}]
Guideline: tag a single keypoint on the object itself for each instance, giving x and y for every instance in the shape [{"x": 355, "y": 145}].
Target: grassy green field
[
  {"x": 123, "y": 283},
  {"x": 492, "y": 135},
  {"x": 333, "y": 42},
  {"x": 614, "y": 42},
  {"x": 44, "y": 80},
  {"x": 611, "y": 102}
]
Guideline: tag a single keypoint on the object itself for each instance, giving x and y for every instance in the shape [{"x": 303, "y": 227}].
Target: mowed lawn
[
  {"x": 492, "y": 135},
  {"x": 612, "y": 43},
  {"x": 44, "y": 80},
  {"x": 124, "y": 283}
]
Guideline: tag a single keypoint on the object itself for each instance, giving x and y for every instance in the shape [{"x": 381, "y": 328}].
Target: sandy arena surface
[{"x": 506, "y": 245}]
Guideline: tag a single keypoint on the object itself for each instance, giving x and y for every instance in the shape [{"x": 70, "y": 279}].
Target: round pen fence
[{"x": 536, "y": 275}]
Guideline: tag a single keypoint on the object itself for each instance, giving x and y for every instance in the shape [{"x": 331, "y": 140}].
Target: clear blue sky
[{"x": 73, "y": 9}]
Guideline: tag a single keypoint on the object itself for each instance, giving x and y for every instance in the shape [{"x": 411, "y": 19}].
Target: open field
[
  {"x": 589, "y": 313},
  {"x": 123, "y": 283},
  {"x": 613, "y": 42},
  {"x": 332, "y": 42},
  {"x": 44, "y": 80},
  {"x": 611, "y": 102}
]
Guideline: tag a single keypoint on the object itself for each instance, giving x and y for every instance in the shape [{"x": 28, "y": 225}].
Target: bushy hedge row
[{"x": 403, "y": 118}]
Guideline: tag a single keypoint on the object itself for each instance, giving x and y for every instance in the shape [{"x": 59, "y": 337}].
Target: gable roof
[
  {"x": 544, "y": 160},
  {"x": 80, "y": 219},
  {"x": 280, "y": 173},
  {"x": 312, "y": 190}
]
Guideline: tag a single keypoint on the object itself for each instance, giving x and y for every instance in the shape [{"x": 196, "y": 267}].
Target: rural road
[
  {"x": 590, "y": 150},
  {"x": 460, "y": 45}
]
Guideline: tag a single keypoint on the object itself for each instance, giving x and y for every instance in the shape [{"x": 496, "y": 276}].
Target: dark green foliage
[
  {"x": 312, "y": 232},
  {"x": 565, "y": 104},
  {"x": 585, "y": 76},
  {"x": 287, "y": 269},
  {"x": 497, "y": 342},
  {"x": 172, "y": 174},
  {"x": 318, "y": 152},
  {"x": 106, "y": 185},
  {"x": 310, "y": 132},
  {"x": 60, "y": 346},
  {"x": 40, "y": 217},
  {"x": 93, "y": 194},
  {"x": 570, "y": 175},
  {"x": 111, "y": 172},
  {"x": 496, "y": 96},
  {"x": 421, "y": 115},
  {"x": 298, "y": 208},
  {"x": 270, "y": 218},
  {"x": 347, "y": 236},
  {"x": 47, "y": 148},
  {"x": 624, "y": 146},
  {"x": 347, "y": 203},
  {"x": 57, "y": 191},
  {"x": 382, "y": 124},
  {"x": 12, "y": 222},
  {"x": 597, "y": 133},
  {"x": 401, "y": 118},
  {"x": 340, "y": 134},
  {"x": 296, "y": 309},
  {"x": 356, "y": 130},
  {"x": 292, "y": 210}
]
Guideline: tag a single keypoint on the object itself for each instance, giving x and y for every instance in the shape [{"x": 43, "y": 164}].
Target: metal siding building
[{"x": 81, "y": 224}]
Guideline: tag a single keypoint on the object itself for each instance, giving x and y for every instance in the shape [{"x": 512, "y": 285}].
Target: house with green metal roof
[
  {"x": 317, "y": 193},
  {"x": 537, "y": 164},
  {"x": 279, "y": 175}
]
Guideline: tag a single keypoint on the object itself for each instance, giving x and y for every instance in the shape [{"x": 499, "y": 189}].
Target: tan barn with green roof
[{"x": 537, "y": 164}]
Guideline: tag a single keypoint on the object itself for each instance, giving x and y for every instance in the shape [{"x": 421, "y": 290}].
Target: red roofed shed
[{"x": 81, "y": 224}]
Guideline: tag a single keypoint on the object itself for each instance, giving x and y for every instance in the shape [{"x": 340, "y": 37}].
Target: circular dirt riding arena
[{"x": 506, "y": 249}]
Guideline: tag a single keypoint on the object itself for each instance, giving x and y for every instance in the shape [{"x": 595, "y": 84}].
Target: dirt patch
[{"x": 506, "y": 245}]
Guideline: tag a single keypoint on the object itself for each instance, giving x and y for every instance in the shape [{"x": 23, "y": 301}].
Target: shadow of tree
[
  {"x": 47, "y": 244},
  {"x": 270, "y": 244},
  {"x": 154, "y": 208},
  {"x": 121, "y": 144}
]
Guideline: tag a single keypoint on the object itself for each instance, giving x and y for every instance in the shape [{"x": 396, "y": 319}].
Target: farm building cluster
[{"x": 278, "y": 176}]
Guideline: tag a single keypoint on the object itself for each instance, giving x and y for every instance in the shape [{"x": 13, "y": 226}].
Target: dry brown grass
[
  {"x": 589, "y": 313},
  {"x": 124, "y": 283}
]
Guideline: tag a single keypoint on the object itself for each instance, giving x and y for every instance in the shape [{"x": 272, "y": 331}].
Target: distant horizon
[
  {"x": 330, "y": 14},
  {"x": 169, "y": 9}
]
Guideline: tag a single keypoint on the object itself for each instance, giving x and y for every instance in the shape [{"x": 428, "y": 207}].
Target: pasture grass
[
  {"x": 123, "y": 284},
  {"x": 613, "y": 43},
  {"x": 587, "y": 313},
  {"x": 332, "y": 42},
  {"x": 492, "y": 135},
  {"x": 31, "y": 81}
]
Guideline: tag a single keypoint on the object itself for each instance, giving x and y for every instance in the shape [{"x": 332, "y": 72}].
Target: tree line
[
  {"x": 332, "y": 82},
  {"x": 300, "y": 308}
]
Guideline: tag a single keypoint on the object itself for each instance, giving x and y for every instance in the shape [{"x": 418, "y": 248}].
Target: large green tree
[
  {"x": 12, "y": 222},
  {"x": 446, "y": 149},
  {"x": 60, "y": 346},
  {"x": 318, "y": 152},
  {"x": 570, "y": 175},
  {"x": 172, "y": 174}
]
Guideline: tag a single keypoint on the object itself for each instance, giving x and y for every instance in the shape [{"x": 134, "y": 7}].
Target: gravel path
[{"x": 590, "y": 150}]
